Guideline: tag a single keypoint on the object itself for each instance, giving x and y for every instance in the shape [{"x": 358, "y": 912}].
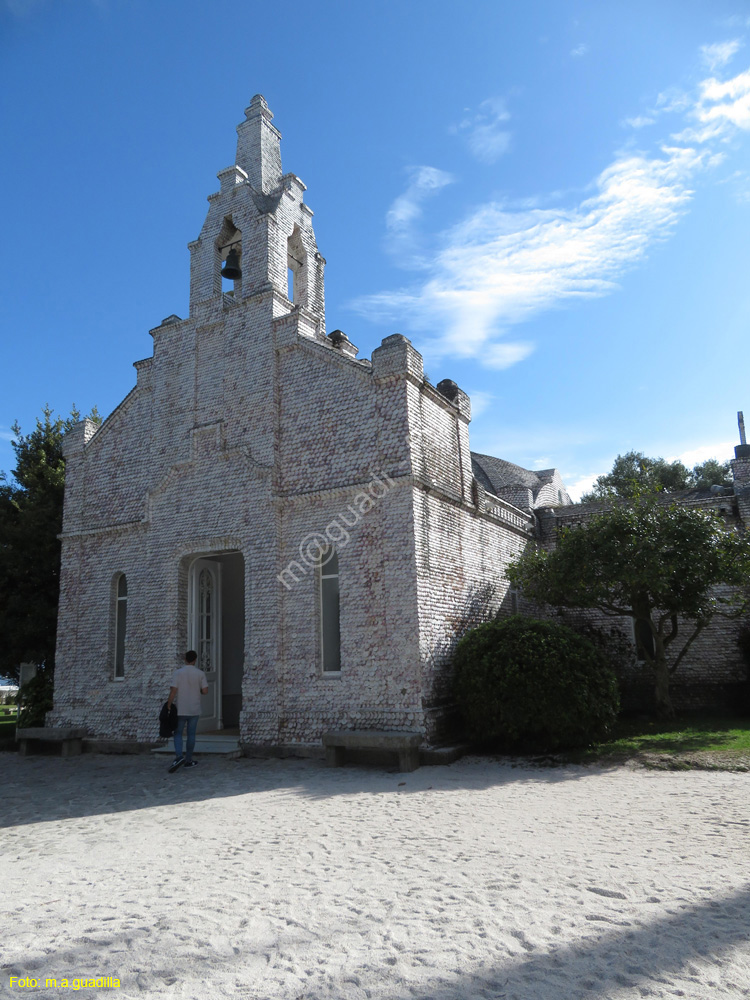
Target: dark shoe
[
  {"x": 175, "y": 764},
  {"x": 191, "y": 763}
]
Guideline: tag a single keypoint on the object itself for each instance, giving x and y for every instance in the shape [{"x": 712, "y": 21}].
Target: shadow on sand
[
  {"x": 647, "y": 959},
  {"x": 44, "y": 788}
]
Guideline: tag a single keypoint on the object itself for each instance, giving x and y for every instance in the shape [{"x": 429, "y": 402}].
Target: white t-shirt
[{"x": 189, "y": 680}]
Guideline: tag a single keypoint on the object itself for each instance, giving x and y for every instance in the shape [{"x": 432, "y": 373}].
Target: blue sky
[{"x": 551, "y": 199}]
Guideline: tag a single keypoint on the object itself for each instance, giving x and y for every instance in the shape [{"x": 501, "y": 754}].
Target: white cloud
[
  {"x": 580, "y": 50},
  {"x": 499, "y": 356},
  {"x": 406, "y": 210},
  {"x": 499, "y": 267},
  {"x": 740, "y": 186},
  {"x": 480, "y": 402},
  {"x": 581, "y": 485},
  {"x": 639, "y": 121},
  {"x": 485, "y": 133},
  {"x": 725, "y": 103},
  {"x": 673, "y": 99},
  {"x": 502, "y": 265},
  {"x": 407, "y": 207},
  {"x": 717, "y": 55},
  {"x": 722, "y": 451}
]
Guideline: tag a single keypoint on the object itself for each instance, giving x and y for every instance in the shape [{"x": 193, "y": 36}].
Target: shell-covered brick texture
[{"x": 312, "y": 523}]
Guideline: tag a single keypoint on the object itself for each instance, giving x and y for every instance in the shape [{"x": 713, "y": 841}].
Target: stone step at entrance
[{"x": 224, "y": 743}]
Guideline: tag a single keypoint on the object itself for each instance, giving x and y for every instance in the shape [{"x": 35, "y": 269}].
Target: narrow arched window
[
  {"x": 121, "y": 617},
  {"x": 330, "y": 638},
  {"x": 513, "y": 598}
]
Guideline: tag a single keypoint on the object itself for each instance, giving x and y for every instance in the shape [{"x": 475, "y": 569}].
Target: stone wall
[
  {"x": 712, "y": 675},
  {"x": 462, "y": 554}
]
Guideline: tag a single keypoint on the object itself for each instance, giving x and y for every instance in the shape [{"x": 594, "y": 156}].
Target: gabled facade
[{"x": 313, "y": 524}]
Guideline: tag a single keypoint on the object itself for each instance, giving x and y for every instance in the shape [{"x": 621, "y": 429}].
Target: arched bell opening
[
  {"x": 229, "y": 258},
  {"x": 296, "y": 262}
]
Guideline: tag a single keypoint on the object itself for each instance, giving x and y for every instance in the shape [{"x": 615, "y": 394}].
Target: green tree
[
  {"x": 711, "y": 473},
  {"x": 634, "y": 472},
  {"x": 31, "y": 505},
  {"x": 661, "y": 564}
]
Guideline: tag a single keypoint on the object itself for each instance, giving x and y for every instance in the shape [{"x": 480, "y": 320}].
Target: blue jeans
[{"x": 192, "y": 726}]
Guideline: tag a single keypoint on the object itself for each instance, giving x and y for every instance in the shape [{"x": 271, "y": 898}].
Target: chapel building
[{"x": 313, "y": 524}]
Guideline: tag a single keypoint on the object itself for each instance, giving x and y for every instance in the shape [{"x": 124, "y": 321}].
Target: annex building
[{"x": 313, "y": 523}]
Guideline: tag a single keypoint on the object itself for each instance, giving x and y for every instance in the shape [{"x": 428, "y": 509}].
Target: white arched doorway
[{"x": 216, "y": 625}]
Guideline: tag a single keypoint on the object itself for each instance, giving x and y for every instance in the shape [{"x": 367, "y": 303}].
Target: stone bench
[
  {"x": 70, "y": 740},
  {"x": 336, "y": 744}
]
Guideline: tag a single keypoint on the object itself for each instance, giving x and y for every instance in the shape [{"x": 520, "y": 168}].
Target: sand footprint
[{"x": 523, "y": 940}]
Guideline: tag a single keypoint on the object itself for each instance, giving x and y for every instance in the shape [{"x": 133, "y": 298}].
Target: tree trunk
[{"x": 664, "y": 709}]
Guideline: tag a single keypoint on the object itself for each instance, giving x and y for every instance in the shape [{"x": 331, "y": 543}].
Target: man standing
[{"x": 188, "y": 684}]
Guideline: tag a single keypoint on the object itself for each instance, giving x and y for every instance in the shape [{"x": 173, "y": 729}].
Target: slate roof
[{"x": 496, "y": 474}]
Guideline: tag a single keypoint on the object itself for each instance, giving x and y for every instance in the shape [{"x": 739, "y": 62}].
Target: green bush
[
  {"x": 533, "y": 686},
  {"x": 35, "y": 700}
]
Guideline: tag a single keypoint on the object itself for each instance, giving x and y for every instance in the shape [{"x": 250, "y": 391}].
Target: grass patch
[
  {"x": 684, "y": 742},
  {"x": 681, "y": 735},
  {"x": 7, "y": 726}
]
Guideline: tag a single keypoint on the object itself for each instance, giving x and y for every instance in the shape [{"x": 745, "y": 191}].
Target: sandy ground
[{"x": 284, "y": 879}]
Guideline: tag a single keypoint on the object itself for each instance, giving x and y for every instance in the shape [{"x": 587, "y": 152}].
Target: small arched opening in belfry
[
  {"x": 228, "y": 241},
  {"x": 296, "y": 261}
]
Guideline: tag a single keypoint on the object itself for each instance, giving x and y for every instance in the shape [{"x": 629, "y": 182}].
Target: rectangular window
[
  {"x": 121, "y": 614},
  {"x": 513, "y": 598},
  {"x": 330, "y": 636}
]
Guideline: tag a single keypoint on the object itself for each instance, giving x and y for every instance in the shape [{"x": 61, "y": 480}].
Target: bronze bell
[{"x": 231, "y": 267}]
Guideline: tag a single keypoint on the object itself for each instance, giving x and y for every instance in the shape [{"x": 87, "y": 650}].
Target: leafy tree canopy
[
  {"x": 31, "y": 505},
  {"x": 711, "y": 473},
  {"x": 656, "y": 562},
  {"x": 634, "y": 472}
]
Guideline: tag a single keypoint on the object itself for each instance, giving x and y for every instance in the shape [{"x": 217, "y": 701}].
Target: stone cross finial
[{"x": 741, "y": 422}]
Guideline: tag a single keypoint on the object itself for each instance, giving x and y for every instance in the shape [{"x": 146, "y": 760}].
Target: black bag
[{"x": 167, "y": 720}]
